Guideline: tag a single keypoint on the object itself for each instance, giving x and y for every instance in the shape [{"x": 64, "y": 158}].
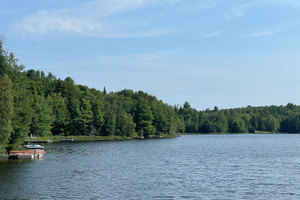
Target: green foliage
[
  {"x": 6, "y": 111},
  {"x": 144, "y": 118},
  {"x": 291, "y": 124},
  {"x": 34, "y": 103},
  {"x": 42, "y": 117},
  {"x": 45, "y": 105},
  {"x": 125, "y": 126},
  {"x": 60, "y": 112},
  {"x": 272, "y": 124},
  {"x": 110, "y": 123},
  {"x": 242, "y": 120},
  {"x": 85, "y": 117},
  {"x": 22, "y": 113},
  {"x": 237, "y": 125}
]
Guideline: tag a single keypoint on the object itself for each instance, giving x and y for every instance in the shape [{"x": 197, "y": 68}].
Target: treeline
[
  {"x": 272, "y": 119},
  {"x": 32, "y": 102}
]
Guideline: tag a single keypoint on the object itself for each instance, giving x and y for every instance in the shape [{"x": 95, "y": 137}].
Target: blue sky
[{"x": 210, "y": 53}]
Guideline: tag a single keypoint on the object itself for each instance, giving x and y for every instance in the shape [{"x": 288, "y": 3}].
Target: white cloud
[
  {"x": 90, "y": 19},
  {"x": 241, "y": 10},
  {"x": 261, "y": 34},
  {"x": 110, "y": 7},
  {"x": 43, "y": 22},
  {"x": 201, "y": 4},
  {"x": 211, "y": 34},
  {"x": 235, "y": 15},
  {"x": 293, "y": 3},
  {"x": 102, "y": 18}
]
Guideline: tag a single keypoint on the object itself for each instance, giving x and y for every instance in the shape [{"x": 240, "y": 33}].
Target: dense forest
[
  {"x": 32, "y": 102},
  {"x": 272, "y": 119}
]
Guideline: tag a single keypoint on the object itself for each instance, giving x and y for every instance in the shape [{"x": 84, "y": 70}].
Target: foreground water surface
[{"x": 187, "y": 167}]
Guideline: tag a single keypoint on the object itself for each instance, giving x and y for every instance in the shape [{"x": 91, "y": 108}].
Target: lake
[{"x": 245, "y": 166}]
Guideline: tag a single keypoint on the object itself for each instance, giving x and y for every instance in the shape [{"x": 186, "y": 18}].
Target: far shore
[
  {"x": 119, "y": 138},
  {"x": 256, "y": 132}
]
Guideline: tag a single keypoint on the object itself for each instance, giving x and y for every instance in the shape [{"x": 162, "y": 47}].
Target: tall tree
[
  {"x": 85, "y": 117},
  {"x": 6, "y": 111},
  {"x": 144, "y": 117},
  {"x": 61, "y": 115},
  {"x": 124, "y": 124},
  {"x": 109, "y": 127},
  {"x": 23, "y": 112},
  {"x": 42, "y": 117}
]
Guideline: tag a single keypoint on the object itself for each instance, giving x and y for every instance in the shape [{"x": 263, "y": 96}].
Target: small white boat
[
  {"x": 34, "y": 151},
  {"x": 34, "y": 146}
]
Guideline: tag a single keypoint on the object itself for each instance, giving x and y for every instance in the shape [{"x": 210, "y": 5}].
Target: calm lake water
[{"x": 188, "y": 167}]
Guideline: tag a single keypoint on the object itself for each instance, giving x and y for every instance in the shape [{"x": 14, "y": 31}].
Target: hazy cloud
[
  {"x": 43, "y": 22},
  {"x": 211, "y": 34},
  {"x": 235, "y": 15},
  {"x": 262, "y": 34},
  {"x": 242, "y": 9},
  {"x": 265, "y": 33},
  {"x": 201, "y": 4},
  {"x": 99, "y": 18}
]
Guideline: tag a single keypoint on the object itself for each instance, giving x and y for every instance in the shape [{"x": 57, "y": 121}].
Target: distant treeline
[
  {"x": 241, "y": 120},
  {"x": 32, "y": 102}
]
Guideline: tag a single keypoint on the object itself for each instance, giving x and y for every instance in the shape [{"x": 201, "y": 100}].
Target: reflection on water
[{"x": 189, "y": 167}]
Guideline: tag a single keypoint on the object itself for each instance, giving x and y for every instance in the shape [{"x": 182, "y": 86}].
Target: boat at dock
[
  {"x": 33, "y": 151},
  {"x": 27, "y": 154},
  {"x": 37, "y": 141},
  {"x": 34, "y": 146}
]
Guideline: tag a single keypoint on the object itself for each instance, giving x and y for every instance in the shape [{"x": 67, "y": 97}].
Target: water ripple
[{"x": 205, "y": 167}]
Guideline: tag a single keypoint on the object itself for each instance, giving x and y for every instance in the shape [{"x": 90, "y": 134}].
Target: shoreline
[
  {"x": 55, "y": 139},
  {"x": 258, "y": 132}
]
